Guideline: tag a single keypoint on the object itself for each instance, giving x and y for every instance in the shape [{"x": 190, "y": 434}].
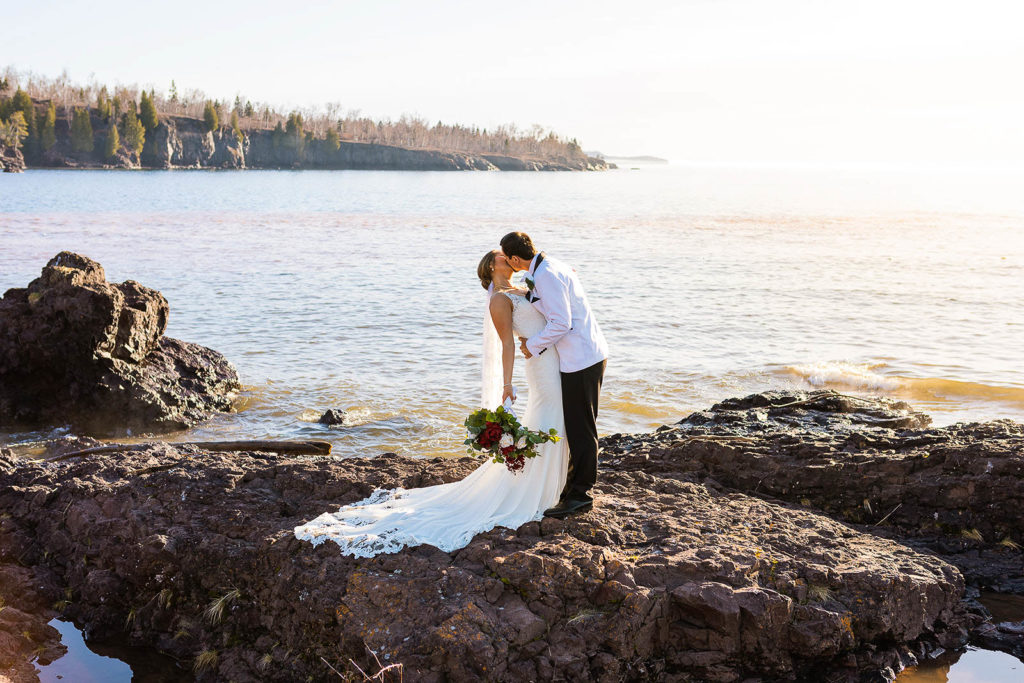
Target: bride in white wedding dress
[{"x": 448, "y": 516}]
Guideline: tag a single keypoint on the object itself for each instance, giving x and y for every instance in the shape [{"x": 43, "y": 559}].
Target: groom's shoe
[{"x": 569, "y": 506}]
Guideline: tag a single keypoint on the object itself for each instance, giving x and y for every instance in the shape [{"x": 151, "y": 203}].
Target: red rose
[
  {"x": 514, "y": 463},
  {"x": 490, "y": 435},
  {"x": 508, "y": 449}
]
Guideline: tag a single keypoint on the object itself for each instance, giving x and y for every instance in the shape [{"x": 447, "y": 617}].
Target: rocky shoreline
[
  {"x": 776, "y": 537},
  {"x": 180, "y": 142}
]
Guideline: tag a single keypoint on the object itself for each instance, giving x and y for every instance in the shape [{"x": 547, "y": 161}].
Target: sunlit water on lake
[{"x": 357, "y": 290}]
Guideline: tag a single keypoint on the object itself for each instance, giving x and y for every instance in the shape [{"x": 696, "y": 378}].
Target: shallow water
[
  {"x": 969, "y": 666},
  {"x": 357, "y": 290},
  {"x": 96, "y": 663}
]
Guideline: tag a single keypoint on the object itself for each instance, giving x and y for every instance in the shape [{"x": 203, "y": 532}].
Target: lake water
[{"x": 357, "y": 290}]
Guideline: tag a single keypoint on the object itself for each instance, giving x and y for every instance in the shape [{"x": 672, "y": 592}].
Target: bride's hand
[{"x": 509, "y": 391}]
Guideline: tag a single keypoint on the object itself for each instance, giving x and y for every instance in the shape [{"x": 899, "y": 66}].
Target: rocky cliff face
[
  {"x": 11, "y": 160},
  {"x": 181, "y": 142}
]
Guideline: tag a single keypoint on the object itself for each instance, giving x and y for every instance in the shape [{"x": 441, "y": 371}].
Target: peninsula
[{"x": 55, "y": 124}]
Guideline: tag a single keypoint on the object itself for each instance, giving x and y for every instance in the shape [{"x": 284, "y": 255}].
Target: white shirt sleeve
[{"x": 557, "y": 307}]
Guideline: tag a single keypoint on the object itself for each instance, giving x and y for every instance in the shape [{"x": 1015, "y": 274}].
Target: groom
[{"x": 556, "y": 292}]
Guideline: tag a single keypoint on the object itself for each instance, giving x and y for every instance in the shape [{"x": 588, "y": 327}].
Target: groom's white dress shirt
[{"x": 571, "y": 328}]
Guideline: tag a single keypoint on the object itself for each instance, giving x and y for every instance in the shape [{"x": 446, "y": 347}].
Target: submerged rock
[
  {"x": 75, "y": 348},
  {"x": 332, "y": 417}
]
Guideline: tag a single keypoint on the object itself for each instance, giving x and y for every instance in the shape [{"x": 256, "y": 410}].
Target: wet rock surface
[
  {"x": 334, "y": 416},
  {"x": 27, "y": 596},
  {"x": 77, "y": 349}
]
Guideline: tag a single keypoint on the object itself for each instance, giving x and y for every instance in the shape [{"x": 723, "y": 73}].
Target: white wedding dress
[{"x": 448, "y": 516}]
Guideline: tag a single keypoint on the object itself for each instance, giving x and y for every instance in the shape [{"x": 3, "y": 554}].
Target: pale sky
[{"x": 913, "y": 81}]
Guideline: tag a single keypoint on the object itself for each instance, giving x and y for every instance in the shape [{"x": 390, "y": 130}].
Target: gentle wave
[{"x": 870, "y": 377}]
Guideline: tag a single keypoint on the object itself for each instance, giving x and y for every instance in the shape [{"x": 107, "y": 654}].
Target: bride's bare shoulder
[{"x": 500, "y": 302}]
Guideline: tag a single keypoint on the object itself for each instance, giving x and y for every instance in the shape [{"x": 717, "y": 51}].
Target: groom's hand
[{"x": 522, "y": 347}]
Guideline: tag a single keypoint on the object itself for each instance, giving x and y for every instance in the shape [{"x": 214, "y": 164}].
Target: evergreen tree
[
  {"x": 103, "y": 104},
  {"x": 295, "y": 137},
  {"x": 248, "y": 109},
  {"x": 147, "y": 112},
  {"x": 234, "y": 125},
  {"x": 23, "y": 103},
  {"x": 174, "y": 92},
  {"x": 210, "y": 117},
  {"x": 134, "y": 132},
  {"x": 32, "y": 139},
  {"x": 333, "y": 141},
  {"x": 113, "y": 142},
  {"x": 278, "y": 135},
  {"x": 81, "y": 131},
  {"x": 48, "y": 136}
]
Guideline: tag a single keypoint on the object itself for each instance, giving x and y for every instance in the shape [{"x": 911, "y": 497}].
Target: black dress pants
[{"x": 581, "y": 392}]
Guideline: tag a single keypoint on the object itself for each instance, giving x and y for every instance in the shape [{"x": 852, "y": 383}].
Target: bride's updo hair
[{"x": 485, "y": 271}]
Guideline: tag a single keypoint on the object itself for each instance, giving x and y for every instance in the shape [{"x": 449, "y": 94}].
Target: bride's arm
[{"x": 501, "y": 315}]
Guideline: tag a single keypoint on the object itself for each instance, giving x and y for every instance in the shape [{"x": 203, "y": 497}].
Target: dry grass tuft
[
  {"x": 206, "y": 660},
  {"x": 972, "y": 535},
  {"x": 1008, "y": 543},
  {"x": 819, "y": 592},
  {"x": 215, "y": 612}
]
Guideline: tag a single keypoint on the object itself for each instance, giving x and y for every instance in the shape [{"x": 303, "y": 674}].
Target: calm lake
[{"x": 357, "y": 290}]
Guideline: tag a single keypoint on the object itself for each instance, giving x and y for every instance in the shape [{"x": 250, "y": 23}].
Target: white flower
[
  {"x": 521, "y": 444},
  {"x": 506, "y": 440}
]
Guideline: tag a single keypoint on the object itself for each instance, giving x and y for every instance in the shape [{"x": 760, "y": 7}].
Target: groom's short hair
[{"x": 518, "y": 244}]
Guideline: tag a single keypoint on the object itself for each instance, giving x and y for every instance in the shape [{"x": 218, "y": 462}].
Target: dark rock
[
  {"x": 332, "y": 417},
  {"x": 11, "y": 160},
  {"x": 77, "y": 349},
  {"x": 958, "y": 490},
  {"x": 26, "y": 599},
  {"x": 664, "y": 579}
]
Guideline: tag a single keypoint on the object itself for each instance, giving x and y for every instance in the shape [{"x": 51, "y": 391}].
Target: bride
[{"x": 448, "y": 516}]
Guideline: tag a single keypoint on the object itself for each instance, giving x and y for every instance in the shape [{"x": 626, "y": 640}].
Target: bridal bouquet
[{"x": 499, "y": 434}]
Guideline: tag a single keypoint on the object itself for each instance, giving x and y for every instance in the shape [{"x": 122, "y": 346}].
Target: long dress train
[{"x": 450, "y": 515}]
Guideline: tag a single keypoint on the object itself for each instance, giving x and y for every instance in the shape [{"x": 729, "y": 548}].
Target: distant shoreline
[
  {"x": 635, "y": 160},
  {"x": 94, "y": 138}
]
